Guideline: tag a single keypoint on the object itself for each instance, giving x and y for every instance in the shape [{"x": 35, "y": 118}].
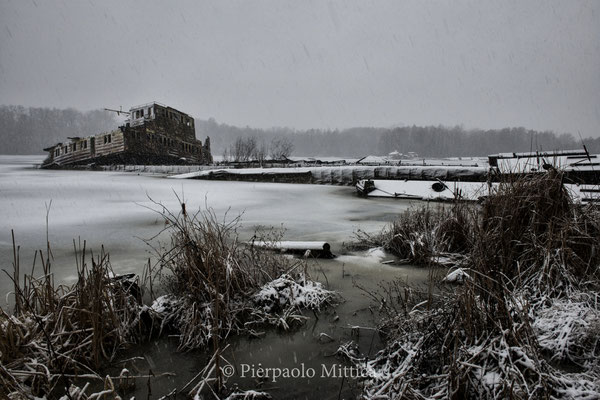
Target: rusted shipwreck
[{"x": 152, "y": 134}]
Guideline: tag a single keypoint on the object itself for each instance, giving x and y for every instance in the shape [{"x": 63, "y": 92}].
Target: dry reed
[
  {"x": 216, "y": 287},
  {"x": 59, "y": 331},
  {"x": 530, "y": 305}
]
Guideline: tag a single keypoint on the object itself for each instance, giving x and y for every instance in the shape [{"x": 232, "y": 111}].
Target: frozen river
[{"x": 112, "y": 209}]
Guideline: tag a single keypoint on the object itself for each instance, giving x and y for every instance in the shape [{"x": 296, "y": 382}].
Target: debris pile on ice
[
  {"x": 459, "y": 275},
  {"x": 285, "y": 292},
  {"x": 376, "y": 254}
]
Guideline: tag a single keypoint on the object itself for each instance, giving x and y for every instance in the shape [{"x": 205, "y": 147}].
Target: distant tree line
[
  {"x": 427, "y": 141},
  {"x": 28, "y": 130}
]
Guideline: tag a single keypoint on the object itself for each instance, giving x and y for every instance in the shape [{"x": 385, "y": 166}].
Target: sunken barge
[
  {"x": 153, "y": 134},
  {"x": 580, "y": 176}
]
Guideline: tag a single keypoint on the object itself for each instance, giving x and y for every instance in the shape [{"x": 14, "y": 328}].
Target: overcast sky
[{"x": 319, "y": 64}]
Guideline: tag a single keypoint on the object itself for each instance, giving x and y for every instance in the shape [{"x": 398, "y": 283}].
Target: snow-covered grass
[
  {"x": 567, "y": 328},
  {"x": 430, "y": 235},
  {"x": 216, "y": 286},
  {"x": 285, "y": 292},
  {"x": 249, "y": 395},
  {"x": 59, "y": 332},
  {"x": 526, "y": 322}
]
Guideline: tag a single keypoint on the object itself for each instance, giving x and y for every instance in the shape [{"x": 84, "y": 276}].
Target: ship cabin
[{"x": 152, "y": 134}]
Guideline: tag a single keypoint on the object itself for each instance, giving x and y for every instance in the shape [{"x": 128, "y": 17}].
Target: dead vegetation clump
[
  {"x": 218, "y": 286},
  {"x": 529, "y": 309},
  {"x": 421, "y": 236},
  {"x": 60, "y": 336},
  {"x": 61, "y": 332}
]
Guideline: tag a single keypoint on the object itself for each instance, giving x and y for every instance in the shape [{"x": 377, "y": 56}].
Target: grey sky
[{"x": 485, "y": 64}]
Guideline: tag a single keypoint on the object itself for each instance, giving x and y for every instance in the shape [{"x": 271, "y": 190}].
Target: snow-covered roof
[{"x": 372, "y": 160}]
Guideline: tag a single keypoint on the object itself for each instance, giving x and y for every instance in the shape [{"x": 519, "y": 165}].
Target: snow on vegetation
[
  {"x": 376, "y": 254},
  {"x": 459, "y": 275},
  {"x": 216, "y": 286},
  {"x": 248, "y": 395},
  {"x": 567, "y": 327},
  {"x": 285, "y": 292},
  {"x": 526, "y": 324}
]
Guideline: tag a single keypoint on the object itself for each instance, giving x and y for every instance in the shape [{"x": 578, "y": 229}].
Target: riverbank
[{"x": 522, "y": 322}]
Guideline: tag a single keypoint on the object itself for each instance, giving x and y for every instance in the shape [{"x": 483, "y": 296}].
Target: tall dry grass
[
  {"x": 210, "y": 276},
  {"x": 420, "y": 235},
  {"x": 213, "y": 283},
  {"x": 530, "y": 252},
  {"x": 58, "y": 332}
]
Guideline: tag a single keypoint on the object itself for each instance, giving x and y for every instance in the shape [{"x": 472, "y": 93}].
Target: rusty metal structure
[{"x": 152, "y": 134}]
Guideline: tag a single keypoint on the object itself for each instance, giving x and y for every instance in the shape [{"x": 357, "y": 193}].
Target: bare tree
[
  {"x": 243, "y": 149},
  {"x": 226, "y": 155},
  {"x": 260, "y": 152},
  {"x": 281, "y": 148}
]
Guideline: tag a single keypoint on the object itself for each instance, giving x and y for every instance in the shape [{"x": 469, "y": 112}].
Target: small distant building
[
  {"x": 395, "y": 155},
  {"x": 153, "y": 134}
]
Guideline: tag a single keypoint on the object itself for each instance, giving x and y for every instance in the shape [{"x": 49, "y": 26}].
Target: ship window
[
  {"x": 85, "y": 144},
  {"x": 149, "y": 111}
]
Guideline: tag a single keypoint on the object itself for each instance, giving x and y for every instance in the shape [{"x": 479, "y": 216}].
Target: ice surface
[{"x": 112, "y": 208}]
